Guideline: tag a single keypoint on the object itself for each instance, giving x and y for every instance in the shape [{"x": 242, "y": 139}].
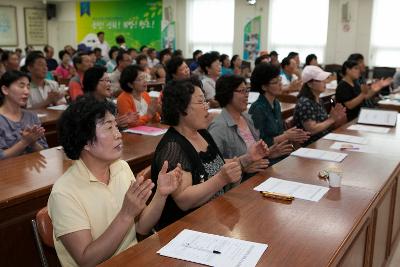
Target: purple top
[{"x": 10, "y": 131}]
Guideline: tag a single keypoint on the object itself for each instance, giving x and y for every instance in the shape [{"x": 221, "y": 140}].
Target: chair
[
  {"x": 43, "y": 233},
  {"x": 383, "y": 72},
  {"x": 335, "y": 68}
]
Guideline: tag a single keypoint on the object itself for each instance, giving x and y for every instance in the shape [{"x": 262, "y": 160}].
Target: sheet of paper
[
  {"x": 59, "y": 107},
  {"x": 392, "y": 102},
  {"x": 214, "y": 110},
  {"x": 199, "y": 247},
  {"x": 146, "y": 130},
  {"x": 366, "y": 128},
  {"x": 298, "y": 190},
  {"x": 332, "y": 85},
  {"x": 253, "y": 97},
  {"x": 351, "y": 147},
  {"x": 377, "y": 117},
  {"x": 311, "y": 153},
  {"x": 41, "y": 115},
  {"x": 346, "y": 138},
  {"x": 154, "y": 94}
]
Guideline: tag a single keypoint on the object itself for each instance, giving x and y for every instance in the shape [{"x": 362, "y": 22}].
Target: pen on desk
[
  {"x": 202, "y": 249},
  {"x": 349, "y": 148},
  {"x": 276, "y": 195}
]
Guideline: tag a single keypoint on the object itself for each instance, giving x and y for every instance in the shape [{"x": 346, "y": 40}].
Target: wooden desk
[
  {"x": 49, "y": 120},
  {"x": 355, "y": 225},
  {"x": 25, "y": 185},
  {"x": 390, "y": 104}
]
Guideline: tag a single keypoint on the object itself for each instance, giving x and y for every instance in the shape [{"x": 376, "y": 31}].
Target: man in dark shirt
[{"x": 51, "y": 62}]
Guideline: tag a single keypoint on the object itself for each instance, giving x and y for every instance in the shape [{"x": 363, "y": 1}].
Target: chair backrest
[
  {"x": 146, "y": 172},
  {"x": 45, "y": 227},
  {"x": 383, "y": 72}
]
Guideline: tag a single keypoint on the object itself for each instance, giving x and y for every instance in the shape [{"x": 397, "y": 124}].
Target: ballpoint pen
[{"x": 187, "y": 245}]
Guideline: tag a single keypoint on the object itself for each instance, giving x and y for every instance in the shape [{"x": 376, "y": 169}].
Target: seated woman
[
  {"x": 225, "y": 65},
  {"x": 177, "y": 69},
  {"x": 134, "y": 97},
  {"x": 159, "y": 70},
  {"x": 236, "y": 65},
  {"x": 210, "y": 65},
  {"x": 233, "y": 130},
  {"x": 143, "y": 62},
  {"x": 65, "y": 70},
  {"x": 20, "y": 130},
  {"x": 205, "y": 173},
  {"x": 310, "y": 113},
  {"x": 266, "y": 110},
  {"x": 97, "y": 82},
  {"x": 351, "y": 94},
  {"x": 98, "y": 206}
]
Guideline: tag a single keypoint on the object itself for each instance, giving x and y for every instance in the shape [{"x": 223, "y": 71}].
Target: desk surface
[
  {"x": 47, "y": 116},
  {"x": 34, "y": 174},
  {"x": 302, "y": 233}
]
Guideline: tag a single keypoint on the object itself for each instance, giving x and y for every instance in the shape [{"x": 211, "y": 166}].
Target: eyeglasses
[
  {"x": 106, "y": 80},
  {"x": 243, "y": 91},
  {"x": 279, "y": 80},
  {"x": 140, "y": 79},
  {"x": 204, "y": 103}
]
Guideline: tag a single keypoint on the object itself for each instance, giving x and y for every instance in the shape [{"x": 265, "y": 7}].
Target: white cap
[{"x": 314, "y": 73}]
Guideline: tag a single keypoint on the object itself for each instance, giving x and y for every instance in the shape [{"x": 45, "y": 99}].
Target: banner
[
  {"x": 252, "y": 32},
  {"x": 138, "y": 21},
  {"x": 168, "y": 36}
]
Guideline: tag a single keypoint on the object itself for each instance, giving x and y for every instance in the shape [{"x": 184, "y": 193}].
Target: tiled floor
[{"x": 394, "y": 261}]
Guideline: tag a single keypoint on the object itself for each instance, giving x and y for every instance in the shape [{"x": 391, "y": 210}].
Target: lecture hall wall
[{"x": 61, "y": 30}]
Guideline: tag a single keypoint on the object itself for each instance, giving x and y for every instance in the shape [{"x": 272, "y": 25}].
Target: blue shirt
[
  {"x": 194, "y": 65},
  {"x": 267, "y": 119},
  {"x": 226, "y": 71}
]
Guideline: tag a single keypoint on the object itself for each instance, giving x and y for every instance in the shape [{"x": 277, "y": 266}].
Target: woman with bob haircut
[
  {"x": 97, "y": 206},
  {"x": 187, "y": 142},
  {"x": 134, "y": 97}
]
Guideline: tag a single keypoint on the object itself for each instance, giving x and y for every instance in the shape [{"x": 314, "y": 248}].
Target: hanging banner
[
  {"x": 138, "y": 21},
  {"x": 251, "y": 45},
  {"x": 169, "y": 36}
]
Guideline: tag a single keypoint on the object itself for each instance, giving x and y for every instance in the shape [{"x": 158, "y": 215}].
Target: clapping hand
[
  {"x": 231, "y": 172},
  {"x": 168, "y": 182},
  {"x": 136, "y": 197},
  {"x": 280, "y": 149},
  {"x": 257, "y": 166},
  {"x": 32, "y": 134},
  {"x": 54, "y": 96},
  {"x": 258, "y": 150},
  {"x": 127, "y": 119},
  {"x": 297, "y": 135}
]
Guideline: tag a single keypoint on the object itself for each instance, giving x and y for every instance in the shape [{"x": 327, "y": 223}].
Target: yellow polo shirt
[{"x": 79, "y": 201}]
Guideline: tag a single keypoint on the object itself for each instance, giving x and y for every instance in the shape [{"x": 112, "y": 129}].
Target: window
[
  {"x": 385, "y": 44},
  {"x": 299, "y": 26},
  {"x": 210, "y": 25}
]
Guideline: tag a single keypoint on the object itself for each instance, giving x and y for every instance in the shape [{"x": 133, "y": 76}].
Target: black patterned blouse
[{"x": 307, "y": 109}]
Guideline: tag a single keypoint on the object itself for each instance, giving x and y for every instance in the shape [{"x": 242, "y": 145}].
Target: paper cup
[{"x": 335, "y": 178}]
